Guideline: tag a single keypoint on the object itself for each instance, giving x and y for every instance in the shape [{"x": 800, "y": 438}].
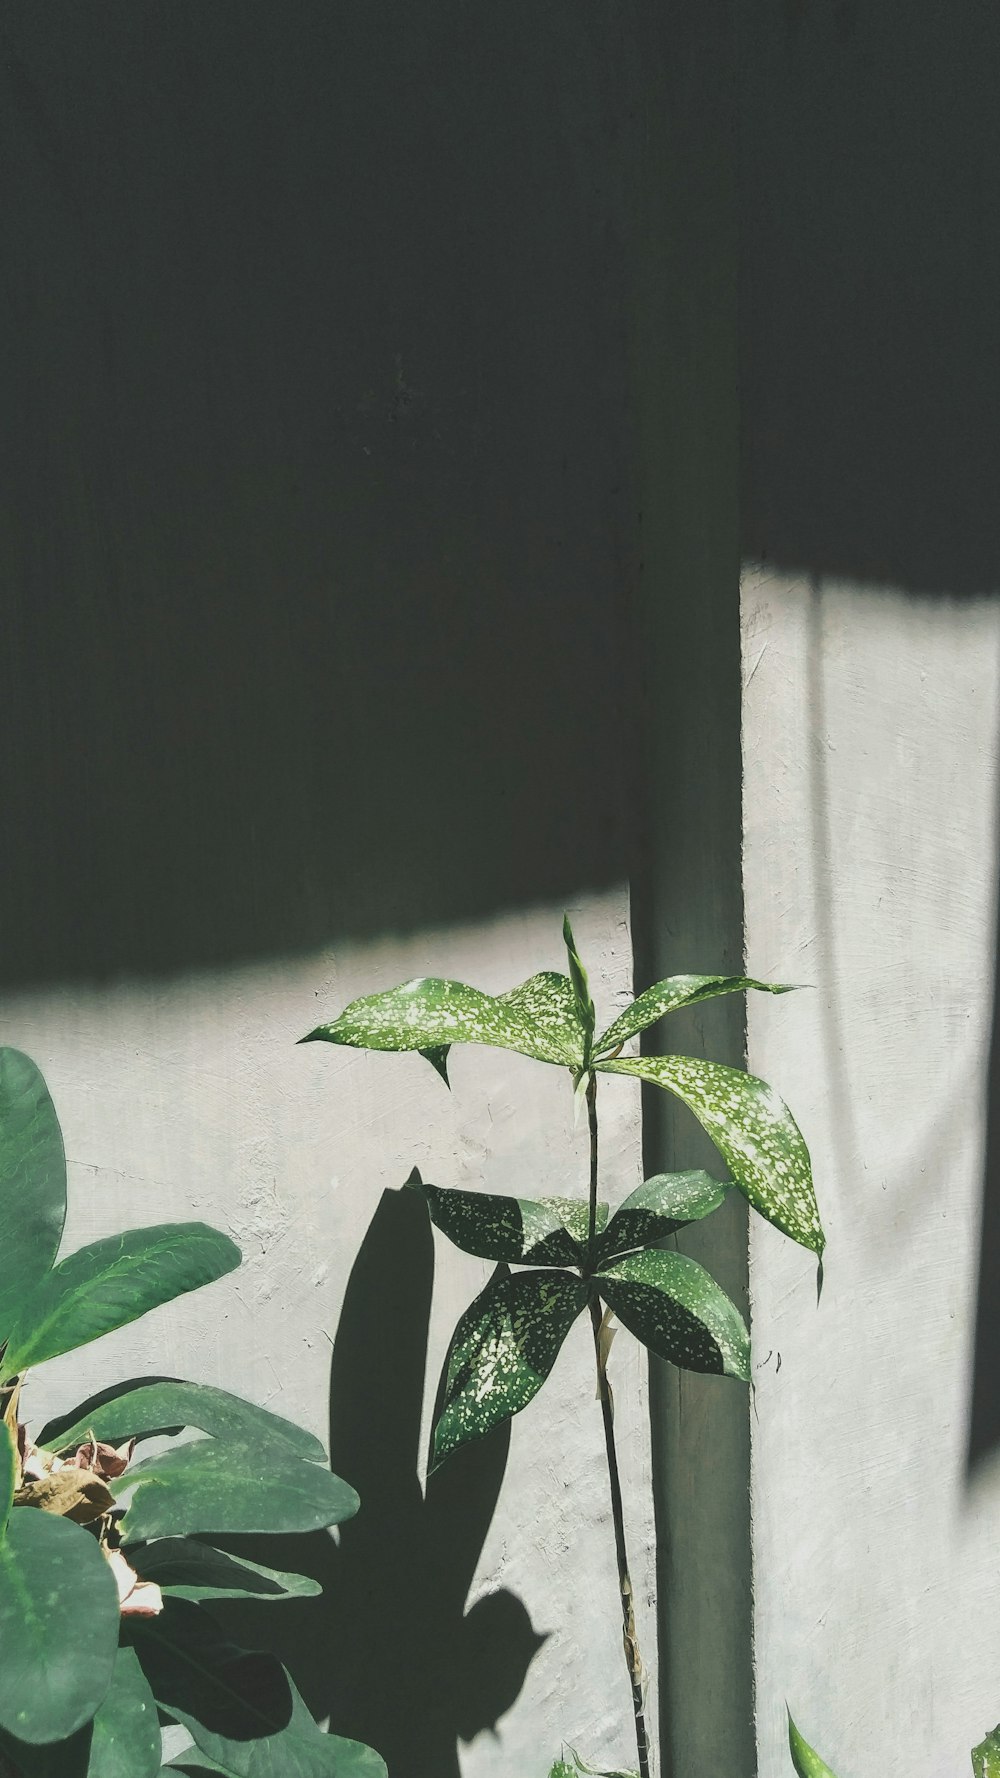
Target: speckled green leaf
[
  {"x": 53, "y": 1580},
  {"x": 504, "y": 1348},
  {"x": 186, "y": 1569},
  {"x": 676, "y": 1309},
  {"x": 8, "y": 1473},
  {"x": 211, "y": 1486},
  {"x": 806, "y": 1761},
  {"x": 986, "y": 1757},
  {"x": 112, "y": 1282},
  {"x": 754, "y": 1132},
  {"x": 581, "y": 985},
  {"x": 540, "y": 1019},
  {"x": 168, "y": 1405},
  {"x": 669, "y": 995},
  {"x": 522, "y": 1231},
  {"x": 658, "y": 1207},
  {"x": 32, "y": 1183}
]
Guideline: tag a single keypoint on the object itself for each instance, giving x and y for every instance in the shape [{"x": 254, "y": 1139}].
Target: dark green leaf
[
  {"x": 53, "y": 1580},
  {"x": 540, "y": 1019},
  {"x": 523, "y": 1231},
  {"x": 59, "y": 1759},
  {"x": 8, "y": 1472},
  {"x": 187, "y": 1569},
  {"x": 581, "y": 985},
  {"x": 209, "y": 1485},
  {"x": 986, "y": 1757},
  {"x": 112, "y": 1282},
  {"x": 754, "y": 1132},
  {"x": 242, "y": 1710},
  {"x": 32, "y": 1183},
  {"x": 657, "y": 1208},
  {"x": 437, "y": 1055},
  {"x": 676, "y": 1309},
  {"x": 503, "y": 1349},
  {"x": 807, "y": 1763},
  {"x": 166, "y": 1405},
  {"x": 668, "y": 996},
  {"x": 126, "y": 1736}
]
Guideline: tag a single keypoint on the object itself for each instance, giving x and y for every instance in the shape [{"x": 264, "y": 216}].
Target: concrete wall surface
[
  {"x": 189, "y": 1099},
  {"x": 870, "y": 729}
]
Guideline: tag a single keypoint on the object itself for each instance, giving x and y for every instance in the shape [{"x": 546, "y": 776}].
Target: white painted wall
[
  {"x": 870, "y": 726},
  {"x": 188, "y": 1098}
]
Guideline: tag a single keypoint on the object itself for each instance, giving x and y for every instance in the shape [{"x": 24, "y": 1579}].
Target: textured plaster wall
[
  {"x": 190, "y": 1099},
  {"x": 870, "y": 724}
]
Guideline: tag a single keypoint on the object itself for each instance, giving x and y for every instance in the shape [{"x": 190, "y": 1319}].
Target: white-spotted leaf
[
  {"x": 986, "y": 1757},
  {"x": 754, "y": 1132},
  {"x": 659, "y": 1207},
  {"x": 678, "y": 1311},
  {"x": 503, "y": 1349},
  {"x": 805, "y": 1759},
  {"x": 522, "y": 1231},
  {"x": 540, "y": 1018},
  {"x": 667, "y": 996}
]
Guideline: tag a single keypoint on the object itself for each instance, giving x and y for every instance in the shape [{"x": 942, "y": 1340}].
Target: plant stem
[{"x": 633, "y": 1660}]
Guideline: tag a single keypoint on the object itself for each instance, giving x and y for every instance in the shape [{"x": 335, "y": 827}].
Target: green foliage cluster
[
  {"x": 106, "y": 1561},
  {"x": 807, "y": 1763},
  {"x": 557, "y": 1259}
]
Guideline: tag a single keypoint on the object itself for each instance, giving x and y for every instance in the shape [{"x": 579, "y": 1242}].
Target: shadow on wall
[
  {"x": 390, "y": 1652},
  {"x": 870, "y": 367},
  {"x": 312, "y": 510}
]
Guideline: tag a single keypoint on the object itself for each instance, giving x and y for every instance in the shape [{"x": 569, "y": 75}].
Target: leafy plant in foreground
[
  {"x": 578, "y": 1257},
  {"x": 106, "y": 1562},
  {"x": 807, "y": 1763}
]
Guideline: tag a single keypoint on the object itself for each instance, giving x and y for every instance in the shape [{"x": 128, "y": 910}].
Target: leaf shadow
[{"x": 389, "y": 1652}]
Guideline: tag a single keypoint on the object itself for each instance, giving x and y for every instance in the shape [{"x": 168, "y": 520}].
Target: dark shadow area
[
  {"x": 390, "y": 1652},
  {"x": 311, "y": 508},
  {"x": 870, "y": 345}
]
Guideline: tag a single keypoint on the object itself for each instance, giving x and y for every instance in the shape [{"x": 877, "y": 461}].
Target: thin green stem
[{"x": 633, "y": 1660}]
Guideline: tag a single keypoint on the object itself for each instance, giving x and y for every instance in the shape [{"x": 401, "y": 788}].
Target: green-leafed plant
[
  {"x": 807, "y": 1763},
  {"x": 106, "y": 1561},
  {"x": 573, "y": 1766},
  {"x": 986, "y": 1757},
  {"x": 578, "y": 1258}
]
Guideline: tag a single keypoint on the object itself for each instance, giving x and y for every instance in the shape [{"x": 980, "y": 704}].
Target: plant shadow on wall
[{"x": 391, "y": 1644}]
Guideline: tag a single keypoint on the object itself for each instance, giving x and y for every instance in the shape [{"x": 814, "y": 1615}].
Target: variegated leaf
[
  {"x": 667, "y": 996},
  {"x": 522, "y": 1231},
  {"x": 581, "y": 985},
  {"x": 805, "y": 1759},
  {"x": 539, "y": 1019},
  {"x": 676, "y": 1309},
  {"x": 986, "y": 1757},
  {"x": 503, "y": 1349},
  {"x": 754, "y": 1132},
  {"x": 659, "y": 1207}
]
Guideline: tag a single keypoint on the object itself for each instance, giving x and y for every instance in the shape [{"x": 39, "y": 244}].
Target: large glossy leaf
[
  {"x": 210, "y": 1485},
  {"x": 676, "y": 1309},
  {"x": 540, "y": 1019},
  {"x": 986, "y": 1757},
  {"x": 32, "y": 1183},
  {"x": 8, "y": 1472},
  {"x": 657, "y": 1208},
  {"x": 806, "y": 1761},
  {"x": 522, "y": 1231},
  {"x": 167, "y": 1405},
  {"x": 503, "y": 1349},
  {"x": 126, "y": 1734},
  {"x": 53, "y": 1581},
  {"x": 669, "y": 995},
  {"x": 241, "y": 1709},
  {"x": 112, "y": 1282},
  {"x": 754, "y": 1132},
  {"x": 186, "y": 1569}
]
